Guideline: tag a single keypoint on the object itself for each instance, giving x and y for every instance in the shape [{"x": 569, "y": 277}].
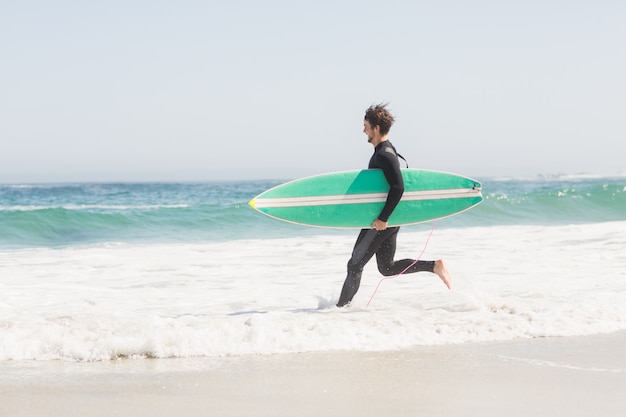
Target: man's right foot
[{"x": 441, "y": 270}]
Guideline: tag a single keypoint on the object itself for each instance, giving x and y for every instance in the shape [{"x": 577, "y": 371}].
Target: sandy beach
[{"x": 572, "y": 376}]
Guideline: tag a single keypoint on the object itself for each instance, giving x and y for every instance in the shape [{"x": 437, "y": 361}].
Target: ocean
[{"x": 103, "y": 271}]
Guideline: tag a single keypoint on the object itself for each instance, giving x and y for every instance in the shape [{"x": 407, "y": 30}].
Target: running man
[{"x": 380, "y": 240}]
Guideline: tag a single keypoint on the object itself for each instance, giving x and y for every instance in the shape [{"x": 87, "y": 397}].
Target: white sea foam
[{"x": 278, "y": 295}]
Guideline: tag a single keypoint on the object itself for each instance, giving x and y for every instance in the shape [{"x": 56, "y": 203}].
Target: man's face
[{"x": 367, "y": 129}]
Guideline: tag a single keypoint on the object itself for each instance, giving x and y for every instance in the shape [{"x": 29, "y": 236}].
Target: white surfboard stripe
[{"x": 327, "y": 200}]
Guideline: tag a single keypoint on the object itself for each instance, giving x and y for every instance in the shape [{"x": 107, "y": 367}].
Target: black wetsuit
[{"x": 380, "y": 243}]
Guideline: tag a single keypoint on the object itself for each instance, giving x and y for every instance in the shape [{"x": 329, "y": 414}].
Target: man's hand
[{"x": 379, "y": 225}]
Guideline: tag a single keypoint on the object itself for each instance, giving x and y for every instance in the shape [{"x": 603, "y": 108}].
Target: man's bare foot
[{"x": 441, "y": 270}]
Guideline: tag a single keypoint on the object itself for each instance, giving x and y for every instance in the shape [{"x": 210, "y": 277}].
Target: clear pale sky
[{"x": 218, "y": 90}]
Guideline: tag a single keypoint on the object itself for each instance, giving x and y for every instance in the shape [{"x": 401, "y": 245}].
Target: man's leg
[
  {"x": 366, "y": 245},
  {"x": 388, "y": 267}
]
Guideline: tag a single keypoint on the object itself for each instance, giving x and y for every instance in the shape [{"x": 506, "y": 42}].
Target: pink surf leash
[{"x": 405, "y": 269}]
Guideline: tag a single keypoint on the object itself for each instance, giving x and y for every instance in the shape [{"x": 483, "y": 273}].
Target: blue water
[{"x": 53, "y": 215}]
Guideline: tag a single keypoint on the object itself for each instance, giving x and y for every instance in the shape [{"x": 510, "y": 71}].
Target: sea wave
[
  {"x": 253, "y": 297},
  {"x": 93, "y": 213}
]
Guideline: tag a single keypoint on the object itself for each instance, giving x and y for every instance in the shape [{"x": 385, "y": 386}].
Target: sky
[{"x": 237, "y": 90}]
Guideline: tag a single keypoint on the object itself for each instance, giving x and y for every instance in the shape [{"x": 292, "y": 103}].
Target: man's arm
[{"x": 388, "y": 161}]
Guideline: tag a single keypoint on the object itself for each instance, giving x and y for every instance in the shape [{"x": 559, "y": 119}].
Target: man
[{"x": 380, "y": 240}]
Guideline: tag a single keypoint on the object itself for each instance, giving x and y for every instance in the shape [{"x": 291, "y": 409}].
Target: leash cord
[{"x": 405, "y": 269}]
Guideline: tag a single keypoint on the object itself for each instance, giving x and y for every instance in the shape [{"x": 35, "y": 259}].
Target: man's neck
[{"x": 378, "y": 141}]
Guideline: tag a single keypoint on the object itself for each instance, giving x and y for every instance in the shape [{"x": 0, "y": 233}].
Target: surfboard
[{"x": 353, "y": 199}]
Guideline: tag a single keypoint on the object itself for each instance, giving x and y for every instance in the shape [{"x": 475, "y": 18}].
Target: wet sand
[{"x": 571, "y": 376}]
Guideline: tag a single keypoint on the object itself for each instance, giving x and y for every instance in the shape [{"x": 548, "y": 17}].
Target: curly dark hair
[{"x": 377, "y": 114}]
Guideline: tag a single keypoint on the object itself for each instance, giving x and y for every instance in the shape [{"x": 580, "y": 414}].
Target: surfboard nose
[{"x": 252, "y": 203}]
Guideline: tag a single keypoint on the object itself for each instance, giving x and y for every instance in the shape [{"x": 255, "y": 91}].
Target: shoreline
[{"x": 573, "y": 376}]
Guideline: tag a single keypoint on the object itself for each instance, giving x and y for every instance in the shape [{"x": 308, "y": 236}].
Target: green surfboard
[{"x": 353, "y": 199}]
